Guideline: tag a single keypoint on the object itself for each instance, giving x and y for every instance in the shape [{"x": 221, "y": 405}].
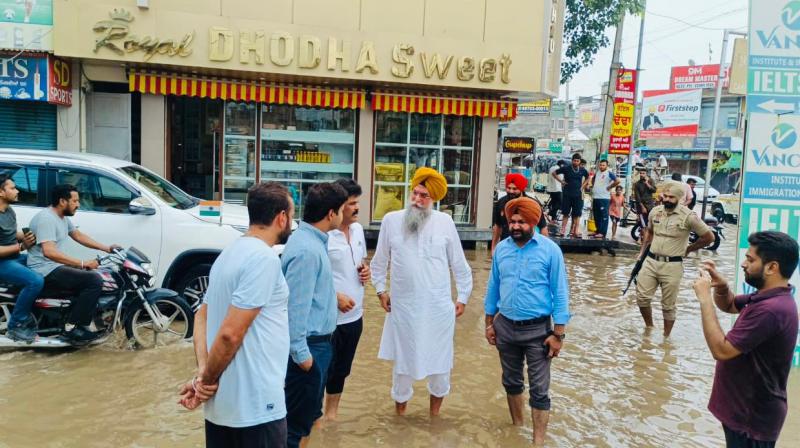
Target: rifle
[{"x": 636, "y": 268}]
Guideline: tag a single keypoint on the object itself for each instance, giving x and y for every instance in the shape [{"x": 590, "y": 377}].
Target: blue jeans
[
  {"x": 14, "y": 271},
  {"x": 305, "y": 390},
  {"x": 600, "y": 212}
]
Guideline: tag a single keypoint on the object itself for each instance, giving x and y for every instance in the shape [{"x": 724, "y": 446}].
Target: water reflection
[{"x": 613, "y": 386}]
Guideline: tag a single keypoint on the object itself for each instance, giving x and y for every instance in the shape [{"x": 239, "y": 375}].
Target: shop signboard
[
  {"x": 621, "y": 140},
  {"x": 556, "y": 147},
  {"x": 35, "y": 78},
  {"x": 541, "y": 107},
  {"x": 26, "y": 24},
  {"x": 670, "y": 113},
  {"x": 589, "y": 114},
  {"x": 773, "y": 80},
  {"x": 770, "y": 198},
  {"x": 23, "y": 78},
  {"x": 720, "y": 144},
  {"x": 518, "y": 145},
  {"x": 59, "y": 82},
  {"x": 696, "y": 77}
]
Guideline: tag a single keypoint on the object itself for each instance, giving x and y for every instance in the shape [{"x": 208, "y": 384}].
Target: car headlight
[{"x": 242, "y": 229}]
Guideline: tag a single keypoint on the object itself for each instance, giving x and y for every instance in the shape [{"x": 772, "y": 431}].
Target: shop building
[
  {"x": 34, "y": 85},
  {"x": 217, "y": 95}
]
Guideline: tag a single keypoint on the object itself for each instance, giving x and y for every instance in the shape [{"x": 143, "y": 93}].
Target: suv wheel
[{"x": 193, "y": 285}]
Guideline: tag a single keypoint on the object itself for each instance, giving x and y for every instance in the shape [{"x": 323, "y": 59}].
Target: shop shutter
[{"x": 27, "y": 125}]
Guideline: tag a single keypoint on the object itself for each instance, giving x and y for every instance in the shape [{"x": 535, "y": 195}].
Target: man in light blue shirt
[
  {"x": 527, "y": 289},
  {"x": 241, "y": 333},
  {"x": 312, "y": 308}
]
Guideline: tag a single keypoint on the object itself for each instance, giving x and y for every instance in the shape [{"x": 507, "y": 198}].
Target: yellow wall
[{"x": 478, "y": 29}]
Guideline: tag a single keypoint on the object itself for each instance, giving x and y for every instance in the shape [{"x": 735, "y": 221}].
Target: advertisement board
[
  {"x": 690, "y": 77},
  {"x": 541, "y": 107},
  {"x": 518, "y": 145},
  {"x": 35, "y": 78},
  {"x": 621, "y": 140},
  {"x": 670, "y": 113},
  {"x": 26, "y": 24},
  {"x": 589, "y": 114}
]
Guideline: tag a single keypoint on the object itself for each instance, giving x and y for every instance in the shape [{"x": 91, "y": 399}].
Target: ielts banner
[{"x": 670, "y": 113}]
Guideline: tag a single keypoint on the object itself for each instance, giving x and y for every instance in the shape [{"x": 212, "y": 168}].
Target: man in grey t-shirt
[{"x": 61, "y": 272}]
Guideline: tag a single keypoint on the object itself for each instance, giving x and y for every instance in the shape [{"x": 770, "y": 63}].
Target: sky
[{"x": 675, "y": 32}]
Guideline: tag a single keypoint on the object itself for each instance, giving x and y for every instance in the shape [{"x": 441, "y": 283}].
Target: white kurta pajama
[{"x": 418, "y": 332}]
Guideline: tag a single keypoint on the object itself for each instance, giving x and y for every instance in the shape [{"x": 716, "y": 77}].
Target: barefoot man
[
  {"x": 422, "y": 245},
  {"x": 527, "y": 290}
]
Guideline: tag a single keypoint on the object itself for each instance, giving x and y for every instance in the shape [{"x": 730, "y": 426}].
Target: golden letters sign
[
  {"x": 114, "y": 35},
  {"x": 304, "y": 52}
]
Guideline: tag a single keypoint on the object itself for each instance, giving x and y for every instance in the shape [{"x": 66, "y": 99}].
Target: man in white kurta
[{"x": 422, "y": 246}]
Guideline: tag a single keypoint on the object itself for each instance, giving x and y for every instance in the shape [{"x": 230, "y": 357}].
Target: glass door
[
  {"x": 239, "y": 151},
  {"x": 195, "y": 135}
]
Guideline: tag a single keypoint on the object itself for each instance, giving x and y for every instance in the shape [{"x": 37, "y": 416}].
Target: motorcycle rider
[
  {"x": 61, "y": 272},
  {"x": 12, "y": 264}
]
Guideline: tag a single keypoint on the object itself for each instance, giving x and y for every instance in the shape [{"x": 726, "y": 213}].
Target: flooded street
[{"x": 613, "y": 386}]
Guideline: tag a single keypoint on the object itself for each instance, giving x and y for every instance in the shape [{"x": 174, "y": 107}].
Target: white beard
[{"x": 415, "y": 218}]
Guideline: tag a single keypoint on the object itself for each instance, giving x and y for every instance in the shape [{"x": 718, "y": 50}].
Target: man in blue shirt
[
  {"x": 527, "y": 289},
  {"x": 312, "y": 308}
]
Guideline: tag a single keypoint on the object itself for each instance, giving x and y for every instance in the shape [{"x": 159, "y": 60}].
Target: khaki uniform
[{"x": 670, "y": 239}]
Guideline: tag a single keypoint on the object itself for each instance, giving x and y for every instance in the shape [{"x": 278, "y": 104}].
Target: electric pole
[{"x": 612, "y": 87}]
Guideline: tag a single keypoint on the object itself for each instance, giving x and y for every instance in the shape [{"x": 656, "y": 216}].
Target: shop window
[
  {"x": 301, "y": 146},
  {"x": 239, "y": 157},
  {"x": 406, "y": 142}
]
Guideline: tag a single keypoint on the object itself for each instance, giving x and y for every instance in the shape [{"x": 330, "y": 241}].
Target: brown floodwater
[{"x": 613, "y": 385}]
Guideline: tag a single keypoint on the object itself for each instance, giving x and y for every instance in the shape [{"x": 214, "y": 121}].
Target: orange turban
[
  {"x": 517, "y": 179},
  {"x": 529, "y": 209},
  {"x": 432, "y": 180}
]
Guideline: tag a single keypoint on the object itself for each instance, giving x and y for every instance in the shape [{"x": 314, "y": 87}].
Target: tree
[{"x": 585, "y": 26}]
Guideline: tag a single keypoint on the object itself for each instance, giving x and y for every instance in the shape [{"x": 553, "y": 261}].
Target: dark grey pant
[
  {"x": 520, "y": 343},
  {"x": 266, "y": 435}
]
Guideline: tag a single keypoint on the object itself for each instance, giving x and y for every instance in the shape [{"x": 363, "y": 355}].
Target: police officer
[{"x": 667, "y": 233}]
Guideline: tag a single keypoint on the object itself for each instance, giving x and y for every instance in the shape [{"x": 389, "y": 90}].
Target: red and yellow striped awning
[
  {"x": 472, "y": 107},
  {"x": 160, "y": 84}
]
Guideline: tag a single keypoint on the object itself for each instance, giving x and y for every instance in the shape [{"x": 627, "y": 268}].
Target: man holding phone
[{"x": 13, "y": 267}]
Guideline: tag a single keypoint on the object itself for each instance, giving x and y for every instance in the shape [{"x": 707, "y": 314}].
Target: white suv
[{"x": 126, "y": 204}]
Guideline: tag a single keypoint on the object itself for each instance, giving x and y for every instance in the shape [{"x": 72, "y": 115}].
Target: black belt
[
  {"x": 319, "y": 338},
  {"x": 664, "y": 259},
  {"x": 520, "y": 323}
]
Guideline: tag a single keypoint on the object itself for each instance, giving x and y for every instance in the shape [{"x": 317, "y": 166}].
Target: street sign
[
  {"x": 773, "y": 79},
  {"x": 556, "y": 147}
]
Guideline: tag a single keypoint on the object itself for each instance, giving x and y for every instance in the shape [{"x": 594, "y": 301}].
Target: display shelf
[
  {"x": 270, "y": 165},
  {"x": 308, "y": 136}
]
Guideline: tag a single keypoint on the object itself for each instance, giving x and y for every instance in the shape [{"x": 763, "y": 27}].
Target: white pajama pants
[{"x": 403, "y": 386}]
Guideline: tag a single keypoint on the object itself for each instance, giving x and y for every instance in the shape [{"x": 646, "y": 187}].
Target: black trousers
[
  {"x": 735, "y": 439},
  {"x": 345, "y": 342},
  {"x": 85, "y": 285},
  {"x": 266, "y": 435},
  {"x": 555, "y": 204}
]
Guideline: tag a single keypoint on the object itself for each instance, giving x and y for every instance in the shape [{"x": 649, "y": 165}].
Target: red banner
[
  {"x": 624, "y": 105},
  {"x": 696, "y": 77},
  {"x": 59, "y": 81}
]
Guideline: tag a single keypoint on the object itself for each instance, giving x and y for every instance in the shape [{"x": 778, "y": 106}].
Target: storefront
[
  {"x": 316, "y": 95},
  {"x": 31, "y": 87}
]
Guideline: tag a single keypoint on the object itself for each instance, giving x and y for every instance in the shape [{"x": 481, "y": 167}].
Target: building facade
[{"x": 217, "y": 95}]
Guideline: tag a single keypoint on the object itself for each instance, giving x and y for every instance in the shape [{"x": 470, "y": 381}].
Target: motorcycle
[
  {"x": 151, "y": 316},
  {"x": 712, "y": 223}
]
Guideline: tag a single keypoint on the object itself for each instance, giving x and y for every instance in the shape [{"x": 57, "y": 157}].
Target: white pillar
[
  {"x": 68, "y": 118},
  {"x": 154, "y": 135},
  {"x": 487, "y": 165},
  {"x": 363, "y": 161}
]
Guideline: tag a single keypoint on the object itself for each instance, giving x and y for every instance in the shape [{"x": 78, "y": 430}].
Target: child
[{"x": 615, "y": 209}]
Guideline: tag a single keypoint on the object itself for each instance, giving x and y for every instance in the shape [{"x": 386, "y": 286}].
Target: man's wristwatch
[
  {"x": 560, "y": 337},
  {"x": 381, "y": 293}
]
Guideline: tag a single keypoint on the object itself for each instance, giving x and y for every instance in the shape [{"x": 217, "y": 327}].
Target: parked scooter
[{"x": 151, "y": 316}]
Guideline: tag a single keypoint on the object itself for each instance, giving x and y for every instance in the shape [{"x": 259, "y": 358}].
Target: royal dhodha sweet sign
[{"x": 670, "y": 113}]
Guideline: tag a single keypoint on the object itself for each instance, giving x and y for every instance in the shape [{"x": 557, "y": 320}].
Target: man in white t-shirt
[
  {"x": 554, "y": 189},
  {"x": 241, "y": 334},
  {"x": 602, "y": 183},
  {"x": 347, "y": 250}
]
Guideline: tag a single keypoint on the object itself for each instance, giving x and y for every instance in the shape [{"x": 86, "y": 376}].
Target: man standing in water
[
  {"x": 422, "y": 245},
  {"x": 312, "y": 308},
  {"x": 667, "y": 236},
  {"x": 754, "y": 359},
  {"x": 515, "y": 188},
  {"x": 347, "y": 251},
  {"x": 241, "y": 332},
  {"x": 527, "y": 289}
]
